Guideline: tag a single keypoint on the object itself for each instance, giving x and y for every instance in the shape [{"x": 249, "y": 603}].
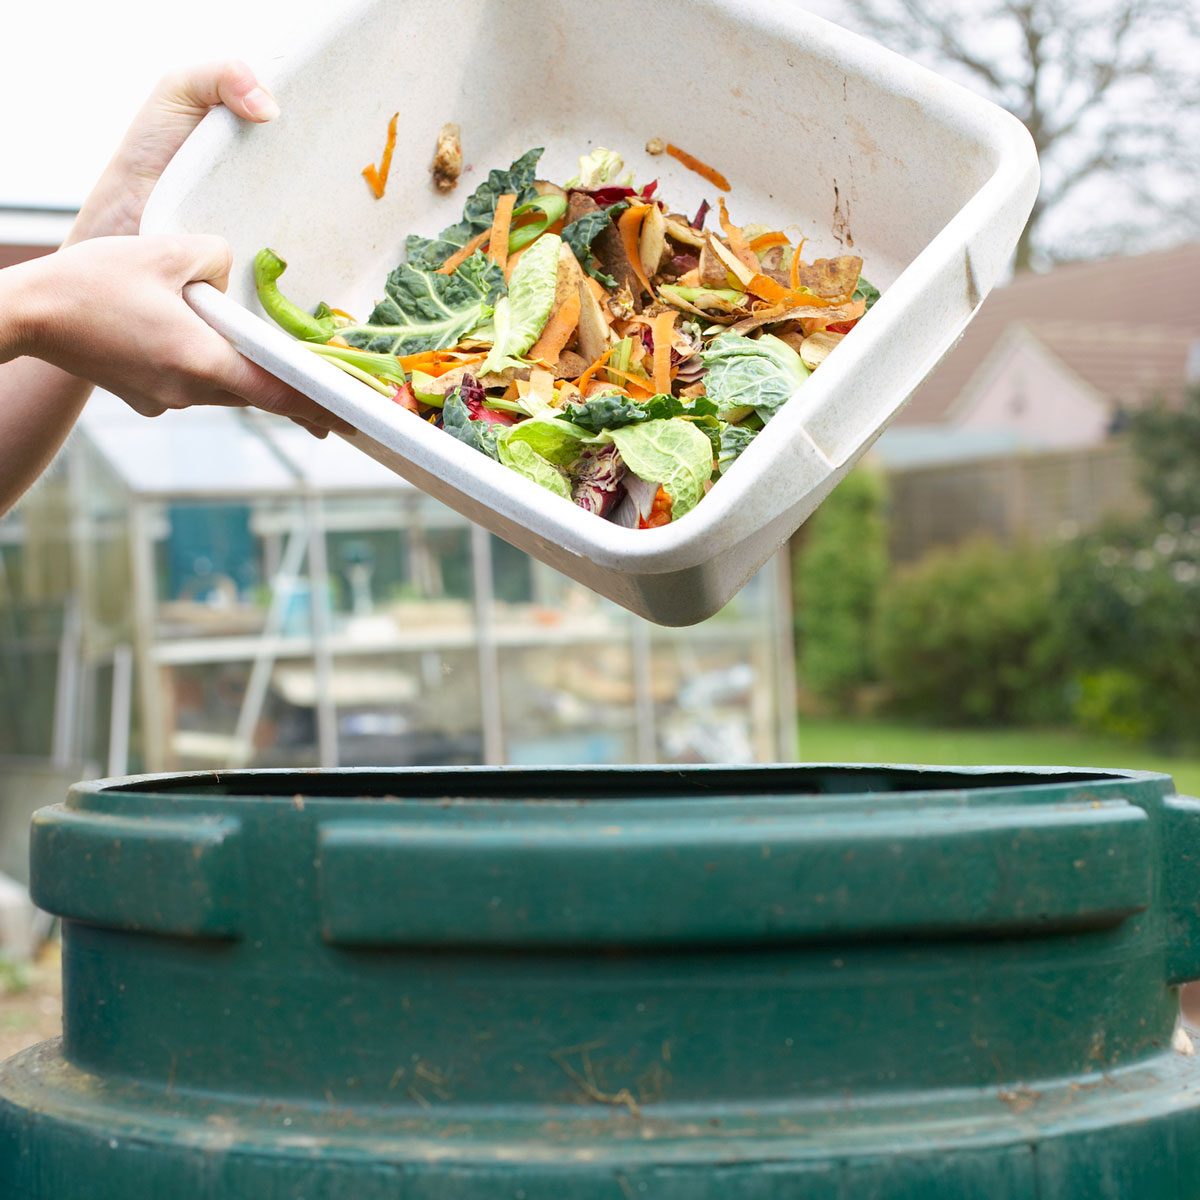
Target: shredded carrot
[
  {"x": 459, "y": 257},
  {"x": 377, "y": 177},
  {"x": 701, "y": 168},
  {"x": 662, "y": 326},
  {"x": 638, "y": 386},
  {"x": 559, "y": 328},
  {"x": 795, "y": 272},
  {"x": 766, "y": 241},
  {"x": 438, "y": 362},
  {"x": 341, "y": 312},
  {"x": 737, "y": 240},
  {"x": 338, "y": 340},
  {"x": 372, "y": 177},
  {"x": 586, "y": 378},
  {"x": 628, "y": 227},
  {"x": 501, "y": 224},
  {"x": 766, "y": 288}
]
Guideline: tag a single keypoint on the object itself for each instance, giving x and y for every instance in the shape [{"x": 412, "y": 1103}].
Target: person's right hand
[{"x": 111, "y": 311}]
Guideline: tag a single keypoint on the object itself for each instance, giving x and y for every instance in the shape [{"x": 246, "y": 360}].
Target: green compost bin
[{"x": 783, "y": 983}]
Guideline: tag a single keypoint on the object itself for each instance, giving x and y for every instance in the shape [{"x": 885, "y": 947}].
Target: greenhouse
[{"x": 217, "y": 589}]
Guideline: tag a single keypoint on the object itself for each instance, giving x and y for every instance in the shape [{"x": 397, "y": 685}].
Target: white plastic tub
[{"x": 814, "y": 126}]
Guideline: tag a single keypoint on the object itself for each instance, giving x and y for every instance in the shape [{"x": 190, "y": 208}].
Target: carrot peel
[
  {"x": 501, "y": 224},
  {"x": 377, "y": 177},
  {"x": 628, "y": 226},
  {"x": 699, "y": 166},
  {"x": 553, "y": 340},
  {"x": 459, "y": 257},
  {"x": 661, "y": 331}
]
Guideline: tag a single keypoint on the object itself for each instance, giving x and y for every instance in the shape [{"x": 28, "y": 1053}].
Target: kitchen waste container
[{"x": 812, "y": 983}]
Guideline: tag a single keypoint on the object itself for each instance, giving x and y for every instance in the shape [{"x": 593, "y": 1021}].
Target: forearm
[{"x": 39, "y": 403}]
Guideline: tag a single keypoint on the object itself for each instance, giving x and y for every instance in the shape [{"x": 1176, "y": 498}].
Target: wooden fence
[{"x": 1035, "y": 497}]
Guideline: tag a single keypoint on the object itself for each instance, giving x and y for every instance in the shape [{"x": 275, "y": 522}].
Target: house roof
[{"x": 1126, "y": 325}]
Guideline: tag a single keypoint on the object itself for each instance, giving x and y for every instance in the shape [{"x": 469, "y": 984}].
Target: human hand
[
  {"x": 176, "y": 107},
  {"x": 111, "y": 311}
]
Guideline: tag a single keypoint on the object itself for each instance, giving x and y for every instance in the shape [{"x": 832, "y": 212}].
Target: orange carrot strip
[
  {"x": 385, "y": 164},
  {"x": 372, "y": 177},
  {"x": 766, "y": 288},
  {"x": 765, "y": 241},
  {"x": 459, "y": 257},
  {"x": 628, "y": 227},
  {"x": 661, "y": 328},
  {"x": 501, "y": 223},
  {"x": 701, "y": 168},
  {"x": 586, "y": 378},
  {"x": 634, "y": 383},
  {"x": 737, "y": 240},
  {"x": 377, "y": 177},
  {"x": 338, "y": 340},
  {"x": 558, "y": 330},
  {"x": 795, "y": 273}
]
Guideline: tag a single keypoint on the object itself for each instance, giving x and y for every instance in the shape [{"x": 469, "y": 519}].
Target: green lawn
[{"x": 823, "y": 740}]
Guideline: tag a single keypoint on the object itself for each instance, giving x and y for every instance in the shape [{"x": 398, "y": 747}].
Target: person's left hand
[{"x": 175, "y": 108}]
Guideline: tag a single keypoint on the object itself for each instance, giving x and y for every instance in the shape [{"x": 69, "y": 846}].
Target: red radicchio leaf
[
  {"x": 473, "y": 396},
  {"x": 598, "y": 480},
  {"x": 698, "y": 220},
  {"x": 615, "y": 193}
]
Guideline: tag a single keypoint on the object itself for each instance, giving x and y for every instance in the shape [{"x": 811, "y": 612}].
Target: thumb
[
  {"x": 191, "y": 258},
  {"x": 194, "y": 90}
]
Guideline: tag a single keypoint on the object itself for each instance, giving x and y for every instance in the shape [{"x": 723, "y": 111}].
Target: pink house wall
[{"x": 1025, "y": 388}]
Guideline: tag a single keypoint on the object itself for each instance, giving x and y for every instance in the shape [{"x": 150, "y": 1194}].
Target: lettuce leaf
[
  {"x": 480, "y": 208},
  {"x": 522, "y": 314},
  {"x": 479, "y": 435},
  {"x": 425, "y": 311},
  {"x": 559, "y": 442},
  {"x": 672, "y": 453},
  {"x": 734, "y": 439},
  {"x": 596, "y": 168},
  {"x": 525, "y": 460},
  {"x": 751, "y": 373}
]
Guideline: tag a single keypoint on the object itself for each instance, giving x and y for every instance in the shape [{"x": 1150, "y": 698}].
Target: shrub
[
  {"x": 839, "y": 573},
  {"x": 967, "y": 636},
  {"x": 1128, "y": 607}
]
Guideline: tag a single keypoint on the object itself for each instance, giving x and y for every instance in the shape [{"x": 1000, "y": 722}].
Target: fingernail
[{"x": 260, "y": 104}]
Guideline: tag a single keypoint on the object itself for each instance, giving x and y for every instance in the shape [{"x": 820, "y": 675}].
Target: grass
[{"x": 824, "y": 740}]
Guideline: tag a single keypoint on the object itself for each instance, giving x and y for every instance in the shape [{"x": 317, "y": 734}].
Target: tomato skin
[{"x": 843, "y": 326}]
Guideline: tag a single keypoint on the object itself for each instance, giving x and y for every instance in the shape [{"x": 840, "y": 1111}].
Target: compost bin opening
[{"x": 606, "y": 783}]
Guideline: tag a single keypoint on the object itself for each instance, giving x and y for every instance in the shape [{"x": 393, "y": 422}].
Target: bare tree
[{"x": 1108, "y": 89}]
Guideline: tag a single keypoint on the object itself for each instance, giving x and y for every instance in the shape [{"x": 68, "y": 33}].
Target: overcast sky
[{"x": 73, "y": 72}]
